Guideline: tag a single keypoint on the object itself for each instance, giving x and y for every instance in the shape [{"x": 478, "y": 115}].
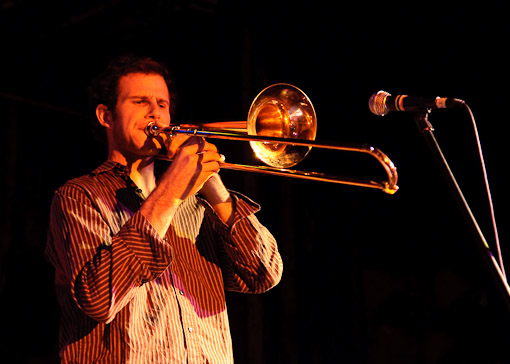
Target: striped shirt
[{"x": 129, "y": 296}]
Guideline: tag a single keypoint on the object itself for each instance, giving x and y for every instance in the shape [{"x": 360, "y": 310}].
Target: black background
[{"x": 369, "y": 277}]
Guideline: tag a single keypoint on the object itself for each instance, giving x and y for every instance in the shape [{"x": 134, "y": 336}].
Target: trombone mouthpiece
[{"x": 152, "y": 129}]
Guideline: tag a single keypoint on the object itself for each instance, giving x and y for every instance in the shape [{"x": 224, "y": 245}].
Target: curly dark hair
[{"x": 103, "y": 88}]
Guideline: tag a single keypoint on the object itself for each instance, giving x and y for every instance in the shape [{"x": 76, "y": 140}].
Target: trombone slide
[{"x": 389, "y": 187}]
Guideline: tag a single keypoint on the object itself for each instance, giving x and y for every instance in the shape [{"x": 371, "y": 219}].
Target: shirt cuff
[{"x": 243, "y": 207}]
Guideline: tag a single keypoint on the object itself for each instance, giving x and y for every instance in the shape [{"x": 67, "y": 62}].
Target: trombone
[{"x": 281, "y": 128}]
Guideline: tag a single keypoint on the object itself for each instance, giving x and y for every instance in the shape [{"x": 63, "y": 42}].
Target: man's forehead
[{"x": 143, "y": 84}]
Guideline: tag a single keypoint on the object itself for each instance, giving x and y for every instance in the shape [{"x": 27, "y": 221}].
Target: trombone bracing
[{"x": 281, "y": 129}]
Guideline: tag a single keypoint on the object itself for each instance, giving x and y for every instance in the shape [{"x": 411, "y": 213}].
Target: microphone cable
[{"x": 488, "y": 190}]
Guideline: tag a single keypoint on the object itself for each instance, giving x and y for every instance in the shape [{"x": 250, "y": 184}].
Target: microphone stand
[{"x": 427, "y": 130}]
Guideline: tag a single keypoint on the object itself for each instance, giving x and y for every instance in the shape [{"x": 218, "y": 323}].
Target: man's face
[{"x": 141, "y": 98}]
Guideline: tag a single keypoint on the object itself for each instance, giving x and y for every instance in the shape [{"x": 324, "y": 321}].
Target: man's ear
[{"x": 104, "y": 115}]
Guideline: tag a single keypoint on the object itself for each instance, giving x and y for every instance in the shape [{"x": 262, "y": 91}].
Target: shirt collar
[{"x": 110, "y": 165}]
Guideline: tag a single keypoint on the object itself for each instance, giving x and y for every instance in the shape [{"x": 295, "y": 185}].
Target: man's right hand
[{"x": 194, "y": 161}]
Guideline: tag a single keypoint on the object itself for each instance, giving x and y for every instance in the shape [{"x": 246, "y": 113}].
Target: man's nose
[{"x": 154, "y": 111}]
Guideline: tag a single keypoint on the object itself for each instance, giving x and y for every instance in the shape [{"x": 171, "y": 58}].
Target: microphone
[{"x": 382, "y": 103}]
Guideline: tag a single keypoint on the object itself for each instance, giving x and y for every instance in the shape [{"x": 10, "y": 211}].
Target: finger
[
  {"x": 205, "y": 146},
  {"x": 175, "y": 143},
  {"x": 210, "y": 156},
  {"x": 197, "y": 148},
  {"x": 209, "y": 160},
  {"x": 211, "y": 167},
  {"x": 199, "y": 143},
  {"x": 193, "y": 140}
]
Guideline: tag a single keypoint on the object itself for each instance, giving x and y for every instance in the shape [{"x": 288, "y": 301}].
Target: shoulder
[{"x": 103, "y": 179}]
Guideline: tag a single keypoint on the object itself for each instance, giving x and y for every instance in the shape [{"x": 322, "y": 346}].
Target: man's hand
[
  {"x": 194, "y": 162},
  {"x": 212, "y": 188}
]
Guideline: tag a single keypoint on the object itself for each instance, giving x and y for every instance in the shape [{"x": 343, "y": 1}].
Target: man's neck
[
  {"x": 142, "y": 174},
  {"x": 141, "y": 171}
]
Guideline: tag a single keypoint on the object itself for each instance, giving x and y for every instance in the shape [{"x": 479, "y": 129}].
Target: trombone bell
[{"x": 281, "y": 111}]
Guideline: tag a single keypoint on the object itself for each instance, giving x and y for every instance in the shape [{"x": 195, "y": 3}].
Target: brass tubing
[{"x": 389, "y": 186}]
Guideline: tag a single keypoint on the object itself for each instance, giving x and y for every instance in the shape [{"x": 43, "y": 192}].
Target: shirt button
[
  {"x": 190, "y": 329},
  {"x": 181, "y": 292}
]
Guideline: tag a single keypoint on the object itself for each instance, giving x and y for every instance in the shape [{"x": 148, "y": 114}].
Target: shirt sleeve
[
  {"x": 252, "y": 262},
  {"x": 102, "y": 271}
]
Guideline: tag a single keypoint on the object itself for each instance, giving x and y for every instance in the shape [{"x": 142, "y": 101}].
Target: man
[{"x": 142, "y": 264}]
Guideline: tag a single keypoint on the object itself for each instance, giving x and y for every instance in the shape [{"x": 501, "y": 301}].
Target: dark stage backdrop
[{"x": 369, "y": 278}]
